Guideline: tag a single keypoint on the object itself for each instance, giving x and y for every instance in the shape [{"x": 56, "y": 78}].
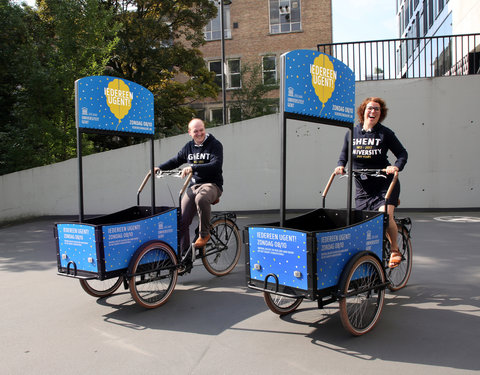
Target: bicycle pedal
[{"x": 185, "y": 268}]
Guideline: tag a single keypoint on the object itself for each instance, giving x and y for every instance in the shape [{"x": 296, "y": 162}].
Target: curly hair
[{"x": 383, "y": 108}]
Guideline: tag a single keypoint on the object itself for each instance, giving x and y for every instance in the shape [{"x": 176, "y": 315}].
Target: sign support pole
[
  {"x": 283, "y": 145},
  {"x": 152, "y": 161},
  {"x": 80, "y": 176}
]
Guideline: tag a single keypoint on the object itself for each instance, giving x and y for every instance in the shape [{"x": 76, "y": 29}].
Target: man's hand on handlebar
[{"x": 186, "y": 171}]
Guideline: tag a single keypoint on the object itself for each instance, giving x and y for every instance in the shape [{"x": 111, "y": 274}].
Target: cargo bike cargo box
[{"x": 306, "y": 256}]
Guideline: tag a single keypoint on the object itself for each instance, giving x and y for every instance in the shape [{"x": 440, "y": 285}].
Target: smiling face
[
  {"x": 371, "y": 115},
  {"x": 196, "y": 130}
]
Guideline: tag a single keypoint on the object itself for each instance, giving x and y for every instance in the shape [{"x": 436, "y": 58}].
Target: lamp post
[{"x": 224, "y": 92}]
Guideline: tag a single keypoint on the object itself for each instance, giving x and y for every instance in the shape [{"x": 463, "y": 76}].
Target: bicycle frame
[{"x": 219, "y": 244}]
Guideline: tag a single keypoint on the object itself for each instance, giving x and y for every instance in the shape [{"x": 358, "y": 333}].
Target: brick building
[{"x": 258, "y": 32}]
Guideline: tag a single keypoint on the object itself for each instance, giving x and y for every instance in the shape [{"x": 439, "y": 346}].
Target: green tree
[
  {"x": 80, "y": 36},
  {"x": 251, "y": 100},
  {"x": 158, "y": 49},
  {"x": 61, "y": 41},
  {"x": 44, "y": 50},
  {"x": 14, "y": 45}
]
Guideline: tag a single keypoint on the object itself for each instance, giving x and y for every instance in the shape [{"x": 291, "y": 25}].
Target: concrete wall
[
  {"x": 466, "y": 14},
  {"x": 436, "y": 119}
]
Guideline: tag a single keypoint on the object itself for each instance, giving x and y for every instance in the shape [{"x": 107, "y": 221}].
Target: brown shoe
[{"x": 202, "y": 241}]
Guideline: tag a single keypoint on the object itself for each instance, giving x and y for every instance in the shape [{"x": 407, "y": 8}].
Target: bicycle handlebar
[
  {"x": 369, "y": 172},
  {"x": 144, "y": 182},
  {"x": 160, "y": 174},
  {"x": 174, "y": 173}
]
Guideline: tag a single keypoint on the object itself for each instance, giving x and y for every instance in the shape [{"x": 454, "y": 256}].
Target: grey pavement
[{"x": 211, "y": 325}]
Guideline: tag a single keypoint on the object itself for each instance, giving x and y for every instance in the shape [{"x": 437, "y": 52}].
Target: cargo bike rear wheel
[
  {"x": 222, "y": 252},
  {"x": 399, "y": 275}
]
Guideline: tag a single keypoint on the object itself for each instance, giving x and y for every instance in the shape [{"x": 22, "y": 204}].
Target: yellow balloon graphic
[
  {"x": 119, "y": 98},
  {"x": 323, "y": 78}
]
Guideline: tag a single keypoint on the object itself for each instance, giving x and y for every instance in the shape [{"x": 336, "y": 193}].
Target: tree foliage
[
  {"x": 158, "y": 50},
  {"x": 56, "y": 44},
  {"x": 252, "y": 100},
  {"x": 44, "y": 50},
  {"x": 12, "y": 74}
]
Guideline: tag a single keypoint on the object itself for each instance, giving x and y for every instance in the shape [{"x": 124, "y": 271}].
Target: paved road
[{"x": 216, "y": 326}]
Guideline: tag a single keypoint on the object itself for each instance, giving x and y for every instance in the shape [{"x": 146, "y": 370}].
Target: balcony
[{"x": 426, "y": 57}]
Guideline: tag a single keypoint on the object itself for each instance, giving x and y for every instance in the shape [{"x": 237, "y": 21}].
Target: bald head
[{"x": 196, "y": 130}]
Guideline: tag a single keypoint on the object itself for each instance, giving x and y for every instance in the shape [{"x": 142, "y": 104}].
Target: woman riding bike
[{"x": 371, "y": 143}]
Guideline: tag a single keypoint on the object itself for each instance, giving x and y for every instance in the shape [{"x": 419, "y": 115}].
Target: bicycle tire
[
  {"x": 101, "y": 288},
  {"x": 399, "y": 275},
  {"x": 281, "y": 305},
  {"x": 360, "y": 302},
  {"x": 153, "y": 275},
  {"x": 222, "y": 252}
]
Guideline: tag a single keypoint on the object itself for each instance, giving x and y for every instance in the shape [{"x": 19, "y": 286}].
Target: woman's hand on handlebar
[
  {"x": 391, "y": 169},
  {"x": 339, "y": 170}
]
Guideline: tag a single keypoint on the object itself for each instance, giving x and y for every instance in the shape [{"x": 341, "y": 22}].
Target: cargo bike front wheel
[
  {"x": 101, "y": 288},
  {"x": 152, "y": 274},
  {"x": 281, "y": 305},
  {"x": 361, "y": 293}
]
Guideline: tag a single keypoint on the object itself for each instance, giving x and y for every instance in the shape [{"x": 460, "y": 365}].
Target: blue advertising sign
[
  {"x": 77, "y": 242},
  {"x": 113, "y": 104},
  {"x": 336, "y": 248},
  {"x": 122, "y": 240},
  {"x": 281, "y": 252},
  {"x": 316, "y": 84}
]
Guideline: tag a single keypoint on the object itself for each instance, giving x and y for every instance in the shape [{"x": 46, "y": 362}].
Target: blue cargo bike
[
  {"x": 136, "y": 247},
  {"x": 325, "y": 255}
]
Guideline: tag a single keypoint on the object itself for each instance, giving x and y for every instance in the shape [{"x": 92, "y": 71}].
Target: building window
[
  {"x": 269, "y": 70},
  {"x": 200, "y": 113},
  {"x": 232, "y": 73},
  {"x": 213, "y": 30},
  {"x": 216, "y": 115},
  {"x": 441, "y": 4},
  {"x": 425, "y": 17},
  {"x": 430, "y": 13},
  {"x": 235, "y": 114},
  {"x": 216, "y": 67},
  {"x": 284, "y": 16},
  {"x": 407, "y": 14},
  {"x": 400, "y": 25},
  {"x": 419, "y": 28}
]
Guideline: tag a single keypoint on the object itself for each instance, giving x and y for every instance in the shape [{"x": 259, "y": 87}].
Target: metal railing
[{"x": 409, "y": 57}]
